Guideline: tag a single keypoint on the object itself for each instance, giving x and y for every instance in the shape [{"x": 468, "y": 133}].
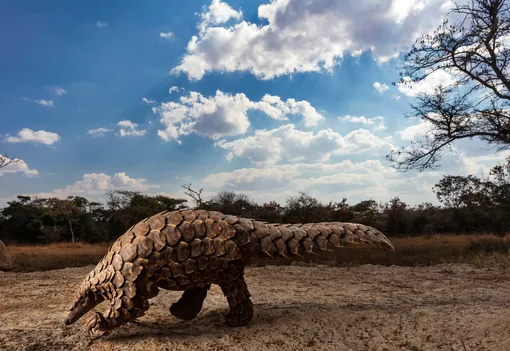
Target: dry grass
[
  {"x": 55, "y": 256},
  {"x": 481, "y": 250}
]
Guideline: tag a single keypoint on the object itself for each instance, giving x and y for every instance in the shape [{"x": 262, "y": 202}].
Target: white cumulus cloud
[
  {"x": 16, "y": 167},
  {"x": 27, "y": 135},
  {"x": 167, "y": 35},
  {"x": 304, "y": 36},
  {"x": 99, "y": 131},
  {"x": 356, "y": 181},
  {"x": 381, "y": 88},
  {"x": 42, "y": 102},
  {"x": 361, "y": 119},
  {"x": 427, "y": 85},
  {"x": 287, "y": 143},
  {"x": 101, "y": 24},
  {"x": 47, "y": 103},
  {"x": 415, "y": 131},
  {"x": 175, "y": 89},
  {"x": 292, "y": 178},
  {"x": 225, "y": 114},
  {"x": 148, "y": 101},
  {"x": 379, "y": 127},
  {"x": 98, "y": 183},
  {"x": 128, "y": 128},
  {"x": 367, "y": 121},
  {"x": 218, "y": 13}
]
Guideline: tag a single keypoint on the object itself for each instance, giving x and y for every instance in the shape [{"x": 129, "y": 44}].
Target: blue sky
[{"x": 264, "y": 97}]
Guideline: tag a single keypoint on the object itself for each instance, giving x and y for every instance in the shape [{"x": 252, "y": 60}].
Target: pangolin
[{"x": 188, "y": 250}]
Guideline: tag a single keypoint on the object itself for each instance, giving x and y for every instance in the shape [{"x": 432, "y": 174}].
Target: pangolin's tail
[{"x": 295, "y": 239}]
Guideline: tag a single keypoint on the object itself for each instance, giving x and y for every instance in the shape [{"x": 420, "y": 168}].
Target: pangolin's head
[{"x": 85, "y": 300}]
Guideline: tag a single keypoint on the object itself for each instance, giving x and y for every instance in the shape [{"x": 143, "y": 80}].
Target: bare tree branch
[
  {"x": 5, "y": 160},
  {"x": 195, "y": 195},
  {"x": 476, "y": 104}
]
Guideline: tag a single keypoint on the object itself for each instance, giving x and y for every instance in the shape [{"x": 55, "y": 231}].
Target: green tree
[
  {"x": 20, "y": 220},
  {"x": 69, "y": 210},
  {"x": 398, "y": 217},
  {"x": 269, "y": 211},
  {"x": 459, "y": 191},
  {"x": 230, "y": 202},
  {"x": 303, "y": 208}
]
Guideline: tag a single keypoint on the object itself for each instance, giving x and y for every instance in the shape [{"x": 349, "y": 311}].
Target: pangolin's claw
[{"x": 94, "y": 324}]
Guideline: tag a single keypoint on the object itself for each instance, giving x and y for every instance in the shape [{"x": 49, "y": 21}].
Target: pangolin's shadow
[{"x": 212, "y": 322}]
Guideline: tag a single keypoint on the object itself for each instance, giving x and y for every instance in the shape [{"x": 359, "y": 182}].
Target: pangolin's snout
[
  {"x": 70, "y": 319},
  {"x": 73, "y": 316}
]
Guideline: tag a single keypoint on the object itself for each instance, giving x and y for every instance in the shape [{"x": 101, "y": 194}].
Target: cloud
[
  {"x": 99, "y": 131},
  {"x": 363, "y": 180},
  {"x": 126, "y": 128},
  {"x": 129, "y": 128},
  {"x": 27, "y": 135},
  {"x": 57, "y": 90},
  {"x": 304, "y": 36},
  {"x": 47, "y": 103},
  {"x": 167, "y": 35},
  {"x": 218, "y": 13},
  {"x": 415, "y": 131},
  {"x": 361, "y": 119},
  {"x": 225, "y": 114},
  {"x": 16, "y": 167},
  {"x": 366, "y": 121},
  {"x": 175, "y": 89},
  {"x": 379, "y": 127},
  {"x": 286, "y": 143},
  {"x": 381, "y": 88},
  {"x": 148, "y": 102},
  {"x": 42, "y": 102},
  {"x": 100, "y": 24},
  {"x": 302, "y": 177},
  {"x": 427, "y": 85},
  {"x": 98, "y": 183}
]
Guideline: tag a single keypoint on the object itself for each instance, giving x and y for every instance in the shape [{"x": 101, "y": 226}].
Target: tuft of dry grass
[{"x": 480, "y": 250}]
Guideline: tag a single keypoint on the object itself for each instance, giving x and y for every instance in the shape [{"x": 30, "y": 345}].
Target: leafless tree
[
  {"x": 475, "y": 50},
  {"x": 194, "y": 194},
  {"x": 5, "y": 160}
]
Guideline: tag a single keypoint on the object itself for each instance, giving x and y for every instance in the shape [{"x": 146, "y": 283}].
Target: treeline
[{"x": 468, "y": 205}]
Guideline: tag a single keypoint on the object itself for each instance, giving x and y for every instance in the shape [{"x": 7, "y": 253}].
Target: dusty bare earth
[{"x": 445, "y": 307}]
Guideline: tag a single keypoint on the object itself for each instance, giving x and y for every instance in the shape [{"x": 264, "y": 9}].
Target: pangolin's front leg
[
  {"x": 121, "y": 311},
  {"x": 190, "y": 303},
  {"x": 236, "y": 291}
]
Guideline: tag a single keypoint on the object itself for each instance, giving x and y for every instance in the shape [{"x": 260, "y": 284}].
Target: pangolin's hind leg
[
  {"x": 236, "y": 291},
  {"x": 190, "y": 303}
]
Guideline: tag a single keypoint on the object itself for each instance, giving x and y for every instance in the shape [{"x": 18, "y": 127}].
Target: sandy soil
[{"x": 445, "y": 307}]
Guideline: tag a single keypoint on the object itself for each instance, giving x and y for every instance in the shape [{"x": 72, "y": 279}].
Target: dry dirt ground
[{"x": 444, "y": 307}]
